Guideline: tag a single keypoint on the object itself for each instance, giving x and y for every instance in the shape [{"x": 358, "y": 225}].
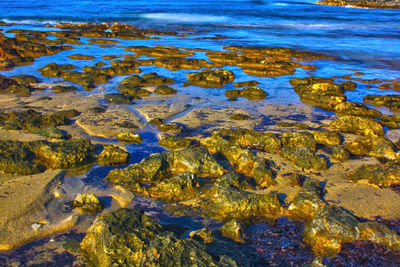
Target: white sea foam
[
  {"x": 37, "y": 21},
  {"x": 185, "y": 17}
]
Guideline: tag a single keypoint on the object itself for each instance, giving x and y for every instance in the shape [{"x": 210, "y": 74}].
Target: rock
[
  {"x": 247, "y": 83},
  {"x": 211, "y": 78},
  {"x": 112, "y": 155},
  {"x": 319, "y": 92},
  {"x": 150, "y": 79},
  {"x": 129, "y": 237},
  {"x": 173, "y": 127},
  {"x": 379, "y": 147},
  {"x": 180, "y": 187},
  {"x": 298, "y": 139},
  {"x": 251, "y": 93},
  {"x": 386, "y": 175},
  {"x": 240, "y": 117},
  {"x": 81, "y": 57},
  {"x": 392, "y": 102},
  {"x": 298, "y": 125},
  {"x": 339, "y": 154},
  {"x": 204, "y": 235},
  {"x": 362, "y": 4},
  {"x": 234, "y": 230},
  {"x": 87, "y": 203},
  {"x": 241, "y": 159},
  {"x": 63, "y": 88},
  {"x": 164, "y": 90},
  {"x": 117, "y": 99},
  {"x": 356, "y": 109},
  {"x": 174, "y": 142},
  {"x": 358, "y": 125},
  {"x": 308, "y": 202},
  {"x": 25, "y": 79},
  {"x": 54, "y": 133},
  {"x": 158, "y": 167},
  {"x": 225, "y": 203},
  {"x": 24, "y": 158},
  {"x": 304, "y": 157},
  {"x": 326, "y": 138},
  {"x": 349, "y": 85},
  {"x": 129, "y": 138},
  {"x": 332, "y": 227},
  {"x": 5, "y": 83},
  {"x": 55, "y": 70}
]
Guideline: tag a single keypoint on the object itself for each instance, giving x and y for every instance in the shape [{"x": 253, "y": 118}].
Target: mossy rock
[
  {"x": 54, "y": 133},
  {"x": 174, "y": 142},
  {"x": 173, "y": 127},
  {"x": 180, "y": 187},
  {"x": 358, "y": 125},
  {"x": 247, "y": 83},
  {"x": 129, "y": 138},
  {"x": 379, "y": 147},
  {"x": 349, "y": 86},
  {"x": 25, "y": 79},
  {"x": 87, "y": 203},
  {"x": 20, "y": 90},
  {"x": 240, "y": 117},
  {"x": 234, "y": 230},
  {"x": 250, "y": 92},
  {"x": 304, "y": 157},
  {"x": 298, "y": 125},
  {"x": 81, "y": 57},
  {"x": 299, "y": 139},
  {"x": 308, "y": 202},
  {"x": 33, "y": 121},
  {"x": 165, "y": 90},
  {"x": 128, "y": 237},
  {"x": 386, "y": 175},
  {"x": 117, "y": 99},
  {"x": 319, "y": 92},
  {"x": 392, "y": 102},
  {"x": 356, "y": 109},
  {"x": 133, "y": 90},
  {"x": 63, "y": 88},
  {"x": 113, "y": 155},
  {"x": 326, "y": 138},
  {"x": 211, "y": 78},
  {"x": 339, "y": 154},
  {"x": 55, "y": 70}
]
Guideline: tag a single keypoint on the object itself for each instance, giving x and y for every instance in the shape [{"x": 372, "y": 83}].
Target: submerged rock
[
  {"x": 358, "y": 125},
  {"x": 392, "y": 102},
  {"x": 211, "y": 78},
  {"x": 319, "y": 92},
  {"x": 251, "y": 93},
  {"x": 130, "y": 238},
  {"x": 87, "y": 203}
]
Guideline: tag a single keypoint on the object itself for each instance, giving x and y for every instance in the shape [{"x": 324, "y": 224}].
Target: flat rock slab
[
  {"x": 22, "y": 208},
  {"x": 108, "y": 124},
  {"x": 162, "y": 111}
]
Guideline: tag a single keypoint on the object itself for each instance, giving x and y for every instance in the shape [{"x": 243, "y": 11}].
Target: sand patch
[{"x": 22, "y": 205}]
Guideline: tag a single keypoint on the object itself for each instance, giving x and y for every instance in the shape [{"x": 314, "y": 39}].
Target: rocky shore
[{"x": 144, "y": 175}]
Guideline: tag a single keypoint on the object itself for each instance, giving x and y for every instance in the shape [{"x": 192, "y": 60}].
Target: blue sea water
[{"x": 365, "y": 40}]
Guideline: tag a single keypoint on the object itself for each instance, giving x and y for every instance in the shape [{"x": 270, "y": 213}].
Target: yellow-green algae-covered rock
[
  {"x": 304, "y": 157},
  {"x": 87, "y": 203},
  {"x": 319, "y": 92},
  {"x": 326, "y": 138},
  {"x": 392, "y": 102},
  {"x": 241, "y": 159},
  {"x": 160, "y": 166},
  {"x": 228, "y": 200},
  {"x": 180, "y": 187},
  {"x": 332, "y": 227},
  {"x": 174, "y": 142},
  {"x": 211, "y": 78},
  {"x": 299, "y": 139},
  {"x": 112, "y": 155},
  {"x": 308, "y": 202},
  {"x": 127, "y": 237},
  {"x": 234, "y": 230},
  {"x": 356, "y": 109},
  {"x": 358, "y": 125},
  {"x": 379, "y": 147},
  {"x": 34, "y": 157},
  {"x": 386, "y": 175},
  {"x": 250, "y": 92},
  {"x": 339, "y": 154}
]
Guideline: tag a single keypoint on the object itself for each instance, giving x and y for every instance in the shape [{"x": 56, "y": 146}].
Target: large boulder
[{"x": 358, "y": 125}]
